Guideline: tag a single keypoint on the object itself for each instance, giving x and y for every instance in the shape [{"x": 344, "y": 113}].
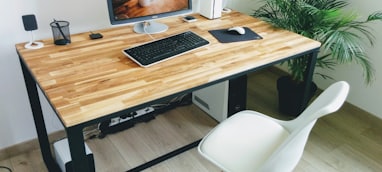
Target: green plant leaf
[{"x": 341, "y": 34}]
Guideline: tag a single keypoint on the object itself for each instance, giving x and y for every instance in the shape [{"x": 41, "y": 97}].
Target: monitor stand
[{"x": 150, "y": 27}]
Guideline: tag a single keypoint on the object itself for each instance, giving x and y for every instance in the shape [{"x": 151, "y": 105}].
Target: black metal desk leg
[
  {"x": 308, "y": 78},
  {"x": 38, "y": 117},
  {"x": 77, "y": 149}
]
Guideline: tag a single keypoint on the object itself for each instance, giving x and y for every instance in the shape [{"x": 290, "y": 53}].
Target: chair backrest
[{"x": 290, "y": 152}]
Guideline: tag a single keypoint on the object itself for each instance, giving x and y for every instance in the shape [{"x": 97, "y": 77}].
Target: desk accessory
[
  {"x": 30, "y": 24},
  {"x": 61, "y": 34},
  {"x": 236, "y": 30},
  {"x": 164, "y": 49},
  {"x": 95, "y": 35},
  {"x": 224, "y": 36},
  {"x": 189, "y": 19}
]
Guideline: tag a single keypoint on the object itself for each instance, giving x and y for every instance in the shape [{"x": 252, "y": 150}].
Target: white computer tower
[
  {"x": 211, "y": 9},
  {"x": 63, "y": 158},
  {"x": 213, "y": 100},
  {"x": 223, "y": 99}
]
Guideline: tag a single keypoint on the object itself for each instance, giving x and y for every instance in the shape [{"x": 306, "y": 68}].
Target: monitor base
[{"x": 150, "y": 27}]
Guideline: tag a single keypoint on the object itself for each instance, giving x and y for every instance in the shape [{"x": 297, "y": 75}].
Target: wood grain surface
[{"x": 89, "y": 79}]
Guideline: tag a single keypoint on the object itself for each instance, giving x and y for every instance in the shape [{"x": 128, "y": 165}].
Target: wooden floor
[{"x": 349, "y": 140}]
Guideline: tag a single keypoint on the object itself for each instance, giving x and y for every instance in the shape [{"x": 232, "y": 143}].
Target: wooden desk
[{"x": 89, "y": 81}]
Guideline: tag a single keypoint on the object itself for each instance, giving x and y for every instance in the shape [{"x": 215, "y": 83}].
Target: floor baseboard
[{"x": 26, "y": 146}]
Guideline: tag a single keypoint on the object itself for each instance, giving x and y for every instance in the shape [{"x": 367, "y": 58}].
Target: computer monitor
[{"x": 144, "y": 12}]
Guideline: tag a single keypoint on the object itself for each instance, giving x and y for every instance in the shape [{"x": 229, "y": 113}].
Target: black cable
[{"x": 7, "y": 168}]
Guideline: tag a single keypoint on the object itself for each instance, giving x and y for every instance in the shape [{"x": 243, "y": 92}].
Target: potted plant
[{"x": 340, "y": 32}]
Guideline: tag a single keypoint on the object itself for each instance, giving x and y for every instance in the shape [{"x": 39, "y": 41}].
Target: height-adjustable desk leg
[
  {"x": 80, "y": 162},
  {"x": 38, "y": 117},
  {"x": 308, "y": 78}
]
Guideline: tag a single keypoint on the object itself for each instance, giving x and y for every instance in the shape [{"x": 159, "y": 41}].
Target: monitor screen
[{"x": 135, "y": 11}]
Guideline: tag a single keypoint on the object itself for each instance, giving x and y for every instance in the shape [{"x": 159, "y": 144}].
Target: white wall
[
  {"x": 15, "y": 116},
  {"x": 367, "y": 97},
  {"x": 16, "y": 122},
  {"x": 244, "y": 6}
]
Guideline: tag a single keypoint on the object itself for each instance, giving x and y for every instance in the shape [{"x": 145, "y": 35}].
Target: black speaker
[{"x": 29, "y": 22}]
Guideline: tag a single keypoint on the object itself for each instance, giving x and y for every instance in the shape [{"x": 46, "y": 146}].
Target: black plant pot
[{"x": 291, "y": 95}]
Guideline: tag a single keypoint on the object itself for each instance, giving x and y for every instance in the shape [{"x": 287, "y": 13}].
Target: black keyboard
[{"x": 163, "y": 49}]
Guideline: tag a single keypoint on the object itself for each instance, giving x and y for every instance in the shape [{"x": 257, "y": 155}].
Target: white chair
[{"x": 250, "y": 141}]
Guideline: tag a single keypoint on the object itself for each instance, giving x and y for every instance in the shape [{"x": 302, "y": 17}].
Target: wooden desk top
[{"x": 88, "y": 79}]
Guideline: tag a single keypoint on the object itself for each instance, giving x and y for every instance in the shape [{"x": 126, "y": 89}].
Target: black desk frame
[{"x": 75, "y": 133}]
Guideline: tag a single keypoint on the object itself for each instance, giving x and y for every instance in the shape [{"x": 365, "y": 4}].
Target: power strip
[
  {"x": 125, "y": 121},
  {"x": 143, "y": 115},
  {"x": 131, "y": 115}
]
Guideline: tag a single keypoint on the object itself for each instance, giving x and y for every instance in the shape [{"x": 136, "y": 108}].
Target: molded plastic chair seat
[{"x": 249, "y": 141}]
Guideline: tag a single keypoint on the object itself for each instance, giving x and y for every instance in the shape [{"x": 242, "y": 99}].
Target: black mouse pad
[{"x": 223, "y": 36}]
